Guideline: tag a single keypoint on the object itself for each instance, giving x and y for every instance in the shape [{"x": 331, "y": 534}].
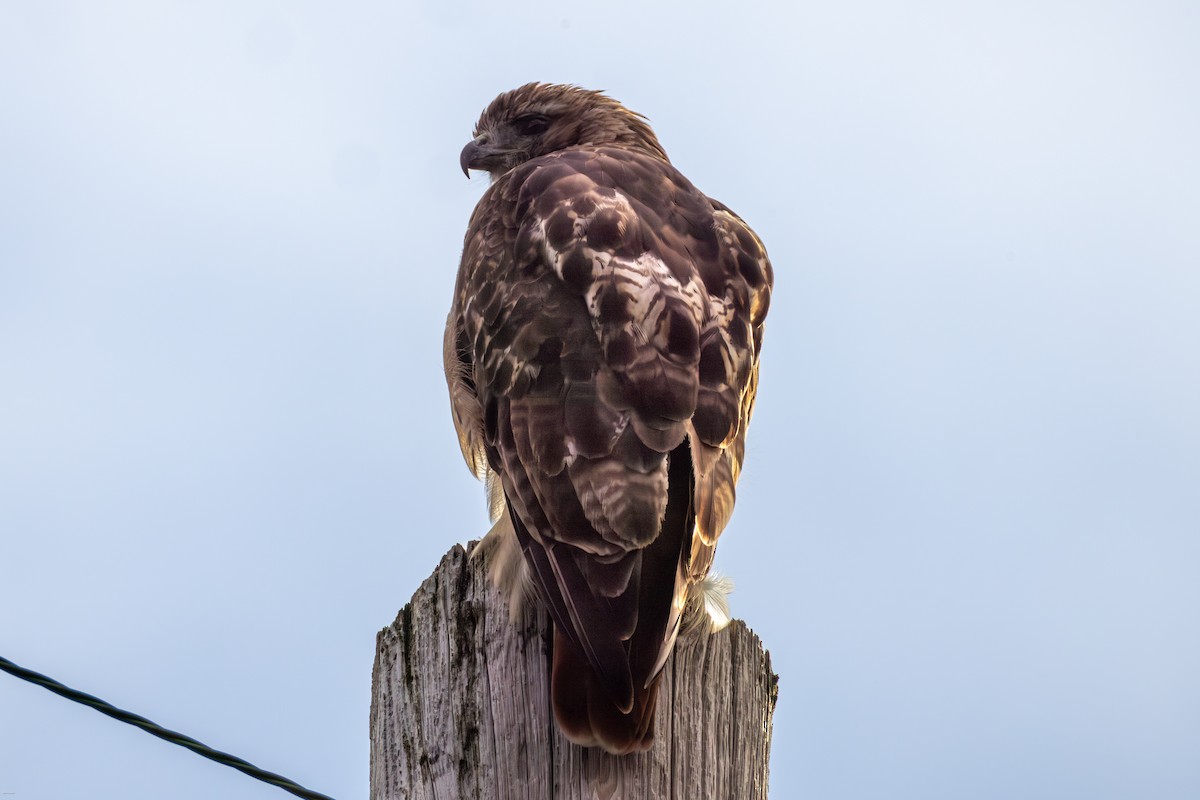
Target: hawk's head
[{"x": 540, "y": 118}]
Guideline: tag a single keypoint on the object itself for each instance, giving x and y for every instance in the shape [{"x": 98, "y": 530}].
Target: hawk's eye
[{"x": 531, "y": 124}]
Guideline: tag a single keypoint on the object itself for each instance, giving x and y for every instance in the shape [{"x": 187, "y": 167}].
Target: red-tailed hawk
[{"x": 602, "y": 357}]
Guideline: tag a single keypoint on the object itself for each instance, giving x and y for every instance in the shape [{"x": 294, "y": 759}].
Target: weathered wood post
[{"x": 460, "y": 709}]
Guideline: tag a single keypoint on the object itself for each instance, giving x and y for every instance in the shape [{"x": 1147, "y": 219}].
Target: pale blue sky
[{"x": 969, "y": 527}]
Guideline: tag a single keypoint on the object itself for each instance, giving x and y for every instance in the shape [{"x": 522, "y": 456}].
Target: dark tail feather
[{"x": 587, "y": 715}]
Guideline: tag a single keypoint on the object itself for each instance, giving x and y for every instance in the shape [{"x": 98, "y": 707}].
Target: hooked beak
[{"x": 480, "y": 155}]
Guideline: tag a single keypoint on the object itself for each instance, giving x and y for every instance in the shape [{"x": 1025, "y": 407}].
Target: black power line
[{"x": 159, "y": 731}]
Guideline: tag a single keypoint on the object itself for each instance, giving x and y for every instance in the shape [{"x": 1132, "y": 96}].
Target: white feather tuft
[
  {"x": 506, "y": 565},
  {"x": 707, "y": 606},
  {"x": 714, "y": 591}
]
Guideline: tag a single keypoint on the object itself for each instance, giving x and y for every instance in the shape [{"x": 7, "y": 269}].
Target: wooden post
[{"x": 460, "y": 709}]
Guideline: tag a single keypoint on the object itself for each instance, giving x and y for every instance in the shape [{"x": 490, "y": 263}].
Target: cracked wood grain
[{"x": 460, "y": 709}]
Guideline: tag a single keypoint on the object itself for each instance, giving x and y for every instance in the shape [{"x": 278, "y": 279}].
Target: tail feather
[
  {"x": 616, "y": 618},
  {"x": 586, "y": 713}
]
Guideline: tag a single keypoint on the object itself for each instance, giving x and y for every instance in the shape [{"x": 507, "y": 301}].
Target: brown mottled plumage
[{"x": 602, "y": 357}]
